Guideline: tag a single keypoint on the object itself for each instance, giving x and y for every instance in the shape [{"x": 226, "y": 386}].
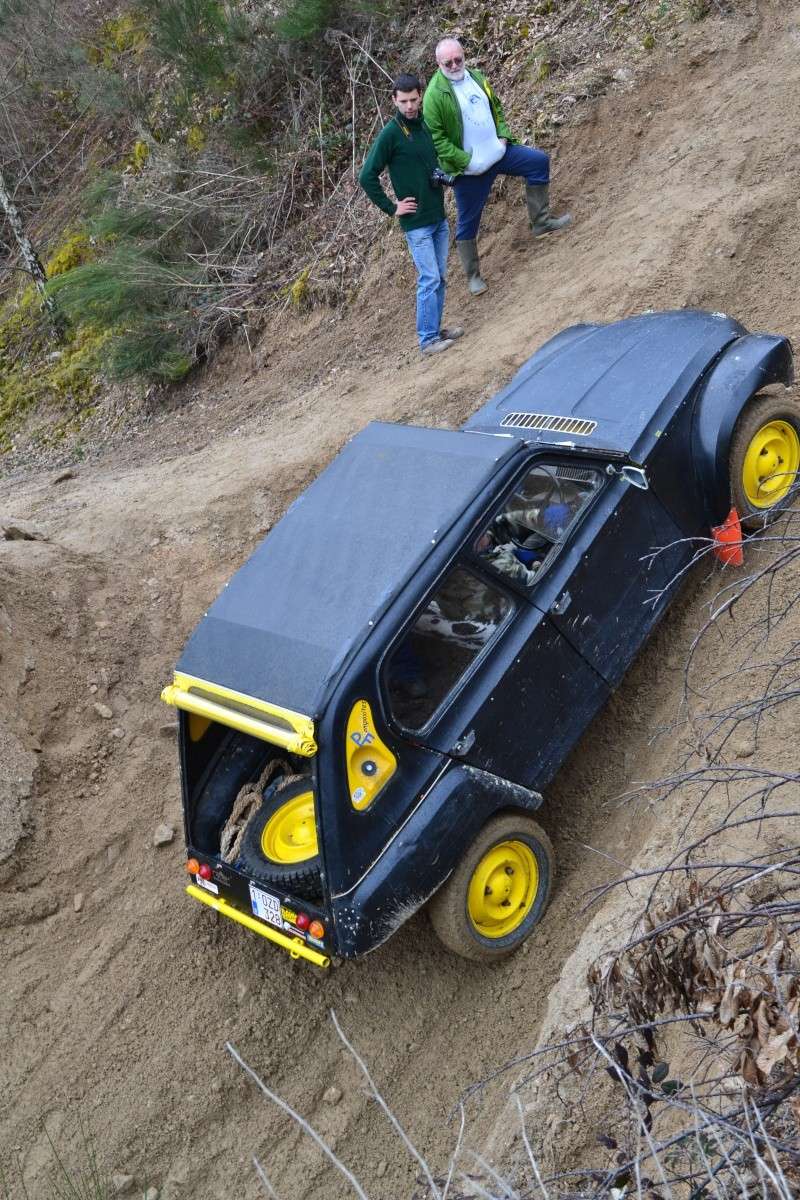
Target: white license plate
[{"x": 266, "y": 906}]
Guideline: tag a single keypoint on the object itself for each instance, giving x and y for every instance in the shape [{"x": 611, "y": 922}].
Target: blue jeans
[
  {"x": 429, "y": 247},
  {"x": 472, "y": 191}
]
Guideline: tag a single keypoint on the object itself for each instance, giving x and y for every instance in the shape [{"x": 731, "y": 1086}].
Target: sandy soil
[{"x": 118, "y": 994}]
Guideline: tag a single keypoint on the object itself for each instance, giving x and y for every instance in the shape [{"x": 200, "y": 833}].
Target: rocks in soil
[
  {"x": 163, "y": 835},
  {"x": 63, "y": 476},
  {"x": 381, "y": 1168},
  {"x": 103, "y": 710},
  {"x": 17, "y": 768},
  {"x": 332, "y": 1095},
  {"x": 14, "y": 530},
  {"x": 744, "y": 748},
  {"x": 121, "y": 1184},
  {"x": 26, "y": 908},
  {"x": 77, "y": 901}
]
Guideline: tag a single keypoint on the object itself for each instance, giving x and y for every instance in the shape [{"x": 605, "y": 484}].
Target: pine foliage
[{"x": 210, "y": 148}]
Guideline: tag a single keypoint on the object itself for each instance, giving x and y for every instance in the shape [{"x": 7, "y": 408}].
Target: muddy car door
[
  {"x": 614, "y": 561},
  {"x": 482, "y": 675}
]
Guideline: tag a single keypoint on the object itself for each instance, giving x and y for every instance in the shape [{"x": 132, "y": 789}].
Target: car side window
[
  {"x": 535, "y": 519},
  {"x": 458, "y": 621}
]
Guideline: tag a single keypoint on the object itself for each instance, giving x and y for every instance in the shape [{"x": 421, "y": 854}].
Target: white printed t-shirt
[{"x": 480, "y": 134}]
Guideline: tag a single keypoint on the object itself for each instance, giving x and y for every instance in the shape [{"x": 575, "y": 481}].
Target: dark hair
[{"x": 406, "y": 83}]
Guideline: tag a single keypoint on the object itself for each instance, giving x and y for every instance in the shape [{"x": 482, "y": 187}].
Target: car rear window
[{"x": 456, "y": 625}]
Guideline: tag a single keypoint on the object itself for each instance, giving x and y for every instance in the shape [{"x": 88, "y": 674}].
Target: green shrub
[
  {"x": 301, "y": 20},
  {"x": 201, "y": 38},
  {"x": 137, "y": 297}
]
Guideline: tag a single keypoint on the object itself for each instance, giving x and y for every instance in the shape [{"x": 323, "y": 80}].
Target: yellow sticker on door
[{"x": 370, "y": 763}]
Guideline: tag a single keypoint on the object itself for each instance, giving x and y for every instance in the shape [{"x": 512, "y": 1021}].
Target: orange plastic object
[{"x": 728, "y": 538}]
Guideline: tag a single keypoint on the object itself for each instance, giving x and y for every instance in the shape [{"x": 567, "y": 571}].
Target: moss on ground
[{"x": 38, "y": 371}]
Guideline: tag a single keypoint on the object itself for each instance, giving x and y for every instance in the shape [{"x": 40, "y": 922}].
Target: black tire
[
  {"x": 449, "y": 908},
  {"x": 301, "y": 875},
  {"x": 239, "y": 760},
  {"x": 757, "y": 414}
]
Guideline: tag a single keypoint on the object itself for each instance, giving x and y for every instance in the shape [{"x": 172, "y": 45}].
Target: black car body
[{"x": 429, "y": 629}]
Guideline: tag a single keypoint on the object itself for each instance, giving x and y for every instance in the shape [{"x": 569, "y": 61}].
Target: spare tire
[{"x": 279, "y": 847}]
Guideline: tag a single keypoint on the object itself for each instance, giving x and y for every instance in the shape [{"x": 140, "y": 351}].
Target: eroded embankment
[{"x": 117, "y": 1004}]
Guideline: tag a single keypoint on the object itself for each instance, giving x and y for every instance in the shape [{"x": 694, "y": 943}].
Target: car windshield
[
  {"x": 458, "y": 621},
  {"x": 535, "y": 518}
]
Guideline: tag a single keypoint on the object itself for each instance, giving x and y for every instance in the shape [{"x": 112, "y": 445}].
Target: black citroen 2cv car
[{"x": 372, "y": 708}]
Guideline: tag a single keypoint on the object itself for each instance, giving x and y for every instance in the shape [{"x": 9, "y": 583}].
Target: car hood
[{"x": 613, "y": 387}]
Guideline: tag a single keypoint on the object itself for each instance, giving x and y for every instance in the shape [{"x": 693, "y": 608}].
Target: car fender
[
  {"x": 422, "y": 853},
  {"x": 750, "y": 363}
]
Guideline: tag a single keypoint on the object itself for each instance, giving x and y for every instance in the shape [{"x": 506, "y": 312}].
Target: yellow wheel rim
[
  {"x": 503, "y": 889},
  {"x": 770, "y": 464},
  {"x": 290, "y": 835}
]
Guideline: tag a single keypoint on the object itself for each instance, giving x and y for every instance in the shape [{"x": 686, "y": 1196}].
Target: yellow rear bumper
[{"x": 295, "y": 946}]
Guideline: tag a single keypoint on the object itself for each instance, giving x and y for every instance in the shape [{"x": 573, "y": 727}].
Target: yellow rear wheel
[
  {"x": 503, "y": 889},
  {"x": 765, "y": 459},
  {"x": 499, "y": 891}
]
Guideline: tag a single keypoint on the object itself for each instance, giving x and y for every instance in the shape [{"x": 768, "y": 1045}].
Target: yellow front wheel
[
  {"x": 764, "y": 459},
  {"x": 499, "y": 891}
]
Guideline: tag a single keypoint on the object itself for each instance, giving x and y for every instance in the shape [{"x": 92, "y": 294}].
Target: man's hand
[{"x": 405, "y": 207}]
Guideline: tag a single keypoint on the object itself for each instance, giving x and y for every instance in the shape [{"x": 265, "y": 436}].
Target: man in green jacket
[
  {"x": 475, "y": 144},
  {"x": 405, "y": 146}
]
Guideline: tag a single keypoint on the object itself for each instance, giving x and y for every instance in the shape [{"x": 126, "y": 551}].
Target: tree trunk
[{"x": 33, "y": 263}]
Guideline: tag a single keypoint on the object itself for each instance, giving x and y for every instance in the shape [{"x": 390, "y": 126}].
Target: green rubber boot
[
  {"x": 537, "y": 196},
  {"x": 468, "y": 253}
]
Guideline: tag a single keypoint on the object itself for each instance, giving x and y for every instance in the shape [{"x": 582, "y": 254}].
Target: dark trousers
[{"x": 472, "y": 191}]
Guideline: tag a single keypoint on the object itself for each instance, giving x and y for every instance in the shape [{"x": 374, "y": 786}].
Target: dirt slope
[{"x": 684, "y": 193}]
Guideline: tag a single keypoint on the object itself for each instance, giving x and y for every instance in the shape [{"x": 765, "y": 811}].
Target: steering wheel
[{"x": 555, "y": 485}]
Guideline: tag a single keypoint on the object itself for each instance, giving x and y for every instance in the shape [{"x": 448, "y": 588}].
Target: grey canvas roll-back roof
[
  {"x": 288, "y": 620},
  {"x": 291, "y": 617}
]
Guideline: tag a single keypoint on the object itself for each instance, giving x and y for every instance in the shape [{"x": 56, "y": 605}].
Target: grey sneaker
[
  {"x": 450, "y": 335},
  {"x": 436, "y": 347}
]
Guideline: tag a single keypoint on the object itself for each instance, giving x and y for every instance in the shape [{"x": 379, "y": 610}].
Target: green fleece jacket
[
  {"x": 406, "y": 148},
  {"x": 442, "y": 114}
]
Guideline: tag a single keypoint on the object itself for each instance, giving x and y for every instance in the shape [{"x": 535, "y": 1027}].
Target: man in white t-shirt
[{"x": 474, "y": 144}]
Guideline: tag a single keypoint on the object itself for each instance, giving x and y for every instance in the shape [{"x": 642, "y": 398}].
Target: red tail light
[
  {"x": 205, "y": 871},
  {"x": 302, "y": 920}
]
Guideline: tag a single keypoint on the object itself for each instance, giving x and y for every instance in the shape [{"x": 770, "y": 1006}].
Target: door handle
[
  {"x": 561, "y": 605},
  {"x": 464, "y": 744}
]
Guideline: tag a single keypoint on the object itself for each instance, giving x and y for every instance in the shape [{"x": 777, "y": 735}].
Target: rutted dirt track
[{"x": 684, "y": 192}]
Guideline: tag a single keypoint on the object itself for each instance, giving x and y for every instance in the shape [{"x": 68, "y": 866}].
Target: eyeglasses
[{"x": 452, "y": 62}]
